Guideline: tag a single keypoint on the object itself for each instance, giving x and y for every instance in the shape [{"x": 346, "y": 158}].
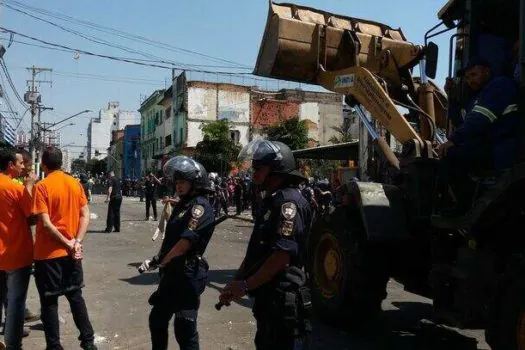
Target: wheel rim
[
  {"x": 328, "y": 265},
  {"x": 521, "y": 331}
]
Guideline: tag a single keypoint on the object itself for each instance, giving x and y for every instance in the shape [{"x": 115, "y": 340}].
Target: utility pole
[{"x": 33, "y": 98}]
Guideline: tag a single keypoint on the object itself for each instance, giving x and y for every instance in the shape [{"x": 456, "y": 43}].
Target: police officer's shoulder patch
[
  {"x": 197, "y": 211},
  {"x": 289, "y": 210},
  {"x": 287, "y": 228}
]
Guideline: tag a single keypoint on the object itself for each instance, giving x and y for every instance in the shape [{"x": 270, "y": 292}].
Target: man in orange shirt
[
  {"x": 63, "y": 216},
  {"x": 16, "y": 244}
]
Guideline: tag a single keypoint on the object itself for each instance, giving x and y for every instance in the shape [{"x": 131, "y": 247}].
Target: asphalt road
[{"x": 117, "y": 296}]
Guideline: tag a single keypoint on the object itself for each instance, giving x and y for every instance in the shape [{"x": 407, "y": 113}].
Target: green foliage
[
  {"x": 78, "y": 166},
  {"x": 292, "y": 132},
  {"x": 217, "y": 151},
  {"x": 343, "y": 132},
  {"x": 321, "y": 168},
  {"x": 96, "y": 166}
]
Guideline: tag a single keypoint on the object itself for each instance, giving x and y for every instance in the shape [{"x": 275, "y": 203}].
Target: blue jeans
[{"x": 17, "y": 284}]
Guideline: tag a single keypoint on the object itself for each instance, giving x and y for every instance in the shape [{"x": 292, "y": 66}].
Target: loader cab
[{"x": 484, "y": 28}]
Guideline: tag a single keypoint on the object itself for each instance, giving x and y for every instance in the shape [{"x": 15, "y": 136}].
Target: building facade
[
  {"x": 151, "y": 117},
  {"x": 196, "y": 103},
  {"x": 322, "y": 111},
  {"x": 7, "y": 132},
  {"x": 99, "y": 129},
  {"x": 66, "y": 160},
  {"x": 115, "y": 152},
  {"x": 166, "y": 129},
  {"x": 131, "y": 155}
]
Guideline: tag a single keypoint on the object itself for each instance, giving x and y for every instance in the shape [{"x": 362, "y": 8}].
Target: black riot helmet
[
  {"x": 275, "y": 154},
  {"x": 186, "y": 168}
]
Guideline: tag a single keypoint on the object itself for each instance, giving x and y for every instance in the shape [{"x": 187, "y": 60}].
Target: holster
[{"x": 295, "y": 301}]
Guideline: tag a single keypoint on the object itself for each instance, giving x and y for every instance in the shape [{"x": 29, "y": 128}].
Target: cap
[{"x": 473, "y": 62}]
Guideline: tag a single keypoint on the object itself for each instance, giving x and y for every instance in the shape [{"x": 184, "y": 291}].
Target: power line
[
  {"x": 132, "y": 61},
  {"x": 98, "y": 40},
  {"x": 109, "y": 79},
  {"x": 13, "y": 87},
  {"x": 120, "y": 57},
  {"x": 120, "y": 33}
]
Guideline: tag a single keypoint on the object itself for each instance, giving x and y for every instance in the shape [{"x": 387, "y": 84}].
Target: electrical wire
[
  {"x": 124, "y": 58},
  {"x": 13, "y": 87},
  {"x": 416, "y": 108},
  {"x": 101, "y": 41},
  {"x": 21, "y": 119},
  {"x": 120, "y": 33},
  {"x": 131, "y": 61}
]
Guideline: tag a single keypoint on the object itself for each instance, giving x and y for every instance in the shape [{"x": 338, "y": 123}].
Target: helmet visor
[
  {"x": 181, "y": 165},
  {"x": 258, "y": 150}
]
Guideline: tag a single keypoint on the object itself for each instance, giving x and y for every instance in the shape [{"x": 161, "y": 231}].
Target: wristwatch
[{"x": 79, "y": 241}]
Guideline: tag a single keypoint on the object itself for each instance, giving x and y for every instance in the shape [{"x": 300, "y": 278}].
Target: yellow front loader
[{"x": 389, "y": 228}]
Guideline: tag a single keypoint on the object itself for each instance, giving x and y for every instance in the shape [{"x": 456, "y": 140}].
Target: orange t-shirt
[
  {"x": 61, "y": 197},
  {"x": 16, "y": 243}
]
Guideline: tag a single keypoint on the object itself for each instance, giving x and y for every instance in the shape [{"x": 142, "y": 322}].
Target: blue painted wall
[{"x": 131, "y": 158}]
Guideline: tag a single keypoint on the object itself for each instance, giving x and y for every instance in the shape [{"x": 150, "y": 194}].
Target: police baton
[{"x": 246, "y": 274}]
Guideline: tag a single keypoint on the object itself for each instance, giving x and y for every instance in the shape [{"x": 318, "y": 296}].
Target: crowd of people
[{"x": 46, "y": 221}]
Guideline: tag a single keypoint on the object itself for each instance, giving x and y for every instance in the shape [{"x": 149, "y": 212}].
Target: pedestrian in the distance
[
  {"x": 272, "y": 270},
  {"x": 184, "y": 271},
  {"x": 151, "y": 185},
  {"x": 114, "y": 200},
  {"x": 63, "y": 217},
  {"x": 237, "y": 196}
]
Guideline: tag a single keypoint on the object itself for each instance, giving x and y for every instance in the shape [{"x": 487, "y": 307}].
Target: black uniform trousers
[
  {"x": 272, "y": 330},
  {"x": 185, "y": 327},
  {"x": 151, "y": 201},
  {"x": 113, "y": 219},
  {"x": 180, "y": 297}
]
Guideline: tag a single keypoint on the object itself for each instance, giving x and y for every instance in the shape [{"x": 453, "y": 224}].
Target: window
[
  {"x": 235, "y": 136},
  {"x": 168, "y": 113},
  {"x": 181, "y": 136},
  {"x": 168, "y": 141}
]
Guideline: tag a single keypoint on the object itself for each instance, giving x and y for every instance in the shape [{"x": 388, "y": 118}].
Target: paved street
[{"x": 117, "y": 297}]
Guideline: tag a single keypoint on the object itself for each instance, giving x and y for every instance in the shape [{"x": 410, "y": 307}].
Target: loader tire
[
  {"x": 348, "y": 274},
  {"x": 506, "y": 322}
]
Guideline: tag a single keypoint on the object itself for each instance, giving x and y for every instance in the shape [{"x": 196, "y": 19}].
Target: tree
[
  {"x": 217, "y": 152},
  {"x": 78, "y": 166},
  {"x": 343, "y": 132},
  {"x": 292, "y": 132},
  {"x": 97, "y": 166}
]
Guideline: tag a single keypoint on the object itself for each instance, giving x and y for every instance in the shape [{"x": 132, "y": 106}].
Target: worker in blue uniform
[
  {"x": 487, "y": 138},
  {"x": 272, "y": 270},
  {"x": 184, "y": 271}
]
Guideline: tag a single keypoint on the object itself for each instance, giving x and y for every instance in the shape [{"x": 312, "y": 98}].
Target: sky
[{"x": 230, "y": 31}]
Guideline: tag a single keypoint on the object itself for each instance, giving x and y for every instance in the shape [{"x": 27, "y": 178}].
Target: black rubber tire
[
  {"x": 506, "y": 313},
  {"x": 363, "y": 273}
]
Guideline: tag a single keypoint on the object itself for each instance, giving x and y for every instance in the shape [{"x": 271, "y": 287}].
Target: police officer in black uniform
[
  {"x": 183, "y": 269},
  {"x": 272, "y": 270}
]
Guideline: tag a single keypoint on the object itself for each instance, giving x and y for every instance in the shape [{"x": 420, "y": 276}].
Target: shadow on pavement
[
  {"x": 403, "y": 329},
  {"x": 96, "y": 231},
  {"x": 222, "y": 277},
  {"x": 147, "y": 278},
  {"x": 37, "y": 327}
]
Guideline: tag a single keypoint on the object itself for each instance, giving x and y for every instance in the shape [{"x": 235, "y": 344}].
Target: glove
[{"x": 148, "y": 265}]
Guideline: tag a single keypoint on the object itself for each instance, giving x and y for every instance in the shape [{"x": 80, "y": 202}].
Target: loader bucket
[{"x": 299, "y": 40}]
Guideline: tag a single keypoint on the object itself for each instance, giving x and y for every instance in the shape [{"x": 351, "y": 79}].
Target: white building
[
  {"x": 99, "y": 129},
  {"x": 66, "y": 160}
]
